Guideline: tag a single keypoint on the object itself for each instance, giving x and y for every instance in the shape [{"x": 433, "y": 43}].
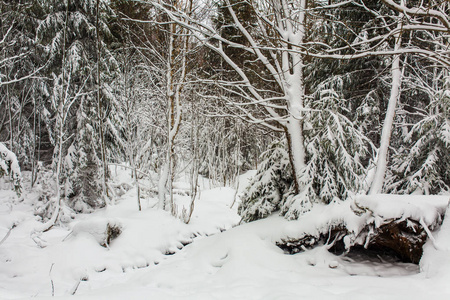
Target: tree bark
[{"x": 382, "y": 156}]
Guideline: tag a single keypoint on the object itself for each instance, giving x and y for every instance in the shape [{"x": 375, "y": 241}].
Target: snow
[
  {"x": 151, "y": 258},
  {"x": 245, "y": 179},
  {"x": 320, "y": 217},
  {"x": 415, "y": 207}
]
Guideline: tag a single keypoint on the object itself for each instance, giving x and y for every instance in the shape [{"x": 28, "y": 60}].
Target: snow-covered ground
[{"x": 151, "y": 258}]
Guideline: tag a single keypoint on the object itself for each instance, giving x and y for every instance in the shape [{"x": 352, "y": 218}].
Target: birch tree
[
  {"x": 275, "y": 96},
  {"x": 396, "y": 73},
  {"x": 176, "y": 72}
]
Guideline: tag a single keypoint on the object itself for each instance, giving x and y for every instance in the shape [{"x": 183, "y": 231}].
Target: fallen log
[{"x": 393, "y": 224}]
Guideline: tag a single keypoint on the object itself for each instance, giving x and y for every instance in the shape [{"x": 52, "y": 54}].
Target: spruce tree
[
  {"x": 69, "y": 35},
  {"x": 421, "y": 164}
]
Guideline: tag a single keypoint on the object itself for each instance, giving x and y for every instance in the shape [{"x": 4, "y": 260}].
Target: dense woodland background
[{"x": 325, "y": 98}]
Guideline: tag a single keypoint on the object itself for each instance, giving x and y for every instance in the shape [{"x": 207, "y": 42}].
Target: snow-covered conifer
[
  {"x": 69, "y": 32},
  {"x": 422, "y": 165},
  {"x": 270, "y": 187}
]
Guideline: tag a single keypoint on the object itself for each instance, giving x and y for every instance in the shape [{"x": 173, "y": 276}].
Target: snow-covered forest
[{"x": 224, "y": 149}]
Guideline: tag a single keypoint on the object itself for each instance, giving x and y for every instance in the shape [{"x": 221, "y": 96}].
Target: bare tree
[{"x": 176, "y": 72}]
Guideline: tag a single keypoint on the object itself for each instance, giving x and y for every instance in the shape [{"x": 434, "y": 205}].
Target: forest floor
[{"x": 159, "y": 257}]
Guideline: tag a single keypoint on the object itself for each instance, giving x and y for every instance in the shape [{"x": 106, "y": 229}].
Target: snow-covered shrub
[
  {"x": 270, "y": 186},
  {"x": 45, "y": 207},
  {"x": 45, "y": 185},
  {"x": 9, "y": 167}
]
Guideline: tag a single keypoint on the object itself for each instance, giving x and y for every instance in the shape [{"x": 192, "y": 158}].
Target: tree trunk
[
  {"x": 100, "y": 110},
  {"x": 138, "y": 190},
  {"x": 162, "y": 186},
  {"x": 175, "y": 76},
  {"x": 382, "y": 156},
  {"x": 295, "y": 94},
  {"x": 296, "y": 150}
]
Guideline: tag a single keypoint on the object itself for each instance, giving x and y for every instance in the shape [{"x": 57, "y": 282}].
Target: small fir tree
[{"x": 270, "y": 187}]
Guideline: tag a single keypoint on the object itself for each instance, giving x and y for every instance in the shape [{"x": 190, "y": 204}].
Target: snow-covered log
[{"x": 396, "y": 224}]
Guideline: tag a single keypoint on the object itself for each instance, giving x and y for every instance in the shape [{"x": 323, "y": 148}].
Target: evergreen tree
[
  {"x": 421, "y": 165},
  {"x": 270, "y": 188},
  {"x": 69, "y": 34}
]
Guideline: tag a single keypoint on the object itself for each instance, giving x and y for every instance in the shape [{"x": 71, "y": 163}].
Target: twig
[
  {"x": 51, "y": 280},
  {"x": 75, "y": 288},
  {"x": 65, "y": 238},
  {"x": 7, "y": 235}
]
